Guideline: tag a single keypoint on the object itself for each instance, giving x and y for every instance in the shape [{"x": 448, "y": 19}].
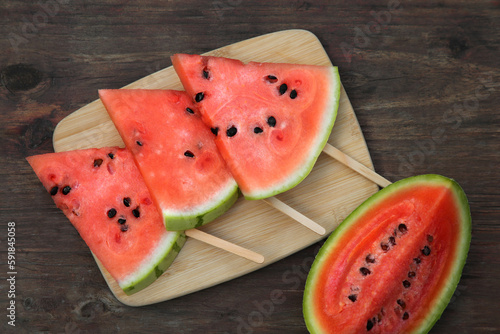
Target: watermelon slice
[
  {"x": 393, "y": 264},
  {"x": 104, "y": 196},
  {"x": 271, "y": 120},
  {"x": 175, "y": 152}
]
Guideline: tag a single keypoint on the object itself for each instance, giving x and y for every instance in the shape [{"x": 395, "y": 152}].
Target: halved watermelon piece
[
  {"x": 104, "y": 196},
  {"x": 271, "y": 120},
  {"x": 175, "y": 152},
  {"x": 393, "y": 264}
]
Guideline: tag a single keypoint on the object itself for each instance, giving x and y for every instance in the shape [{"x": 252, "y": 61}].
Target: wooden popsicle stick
[
  {"x": 225, "y": 245},
  {"x": 355, "y": 165},
  {"x": 347, "y": 161},
  {"x": 309, "y": 223}
]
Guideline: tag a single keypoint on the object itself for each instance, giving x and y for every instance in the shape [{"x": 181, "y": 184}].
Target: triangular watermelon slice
[
  {"x": 104, "y": 196},
  {"x": 175, "y": 152},
  {"x": 271, "y": 120}
]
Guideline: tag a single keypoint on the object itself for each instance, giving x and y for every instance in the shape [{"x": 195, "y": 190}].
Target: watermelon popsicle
[
  {"x": 104, "y": 196},
  {"x": 175, "y": 152},
  {"x": 271, "y": 120}
]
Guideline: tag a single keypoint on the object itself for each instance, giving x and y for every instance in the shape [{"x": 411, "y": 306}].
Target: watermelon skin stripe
[{"x": 348, "y": 228}]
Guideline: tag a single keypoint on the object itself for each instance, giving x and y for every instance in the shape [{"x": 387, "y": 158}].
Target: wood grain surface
[{"x": 423, "y": 79}]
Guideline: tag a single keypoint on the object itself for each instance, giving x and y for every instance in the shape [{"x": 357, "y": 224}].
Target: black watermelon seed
[
  {"x": 271, "y": 121},
  {"x": 206, "y": 75},
  {"x": 136, "y": 212},
  {"x": 231, "y": 131},
  {"x": 257, "y": 130},
  {"x": 215, "y": 131},
  {"x": 127, "y": 201},
  {"x": 402, "y": 228},
  {"x": 430, "y": 238},
  {"x": 353, "y": 298},
  {"x": 417, "y": 260},
  {"x": 406, "y": 316},
  {"x": 293, "y": 94},
  {"x": 370, "y": 259},
  {"x": 406, "y": 284},
  {"x": 111, "y": 213},
  {"x": 392, "y": 241},
  {"x": 122, "y": 221},
  {"x": 54, "y": 190},
  {"x": 271, "y": 79},
  {"x": 384, "y": 246},
  {"x": 189, "y": 110},
  {"x": 138, "y": 143},
  {"x": 66, "y": 190},
  {"x": 189, "y": 154},
  {"x": 124, "y": 228},
  {"x": 282, "y": 89},
  {"x": 364, "y": 271},
  {"x": 111, "y": 155},
  {"x": 97, "y": 162},
  {"x": 411, "y": 274},
  {"x": 401, "y": 303},
  {"x": 369, "y": 324},
  {"x": 426, "y": 251},
  {"x": 199, "y": 97}
]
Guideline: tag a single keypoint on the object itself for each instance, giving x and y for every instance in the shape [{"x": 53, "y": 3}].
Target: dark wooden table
[{"x": 423, "y": 78}]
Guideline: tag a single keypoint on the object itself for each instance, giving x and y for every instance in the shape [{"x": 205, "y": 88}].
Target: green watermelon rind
[
  {"x": 153, "y": 267},
  {"x": 454, "y": 277},
  {"x": 316, "y": 149},
  {"x": 200, "y": 216}
]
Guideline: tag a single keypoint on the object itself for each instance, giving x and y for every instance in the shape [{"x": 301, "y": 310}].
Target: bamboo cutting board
[{"x": 327, "y": 195}]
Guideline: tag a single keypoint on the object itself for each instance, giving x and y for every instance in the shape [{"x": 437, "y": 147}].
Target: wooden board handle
[
  {"x": 225, "y": 245},
  {"x": 356, "y": 166}
]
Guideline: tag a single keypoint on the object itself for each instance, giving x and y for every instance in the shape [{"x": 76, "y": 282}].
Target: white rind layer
[{"x": 164, "y": 249}]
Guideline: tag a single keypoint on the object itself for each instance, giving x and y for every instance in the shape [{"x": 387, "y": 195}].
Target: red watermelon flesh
[
  {"x": 104, "y": 196},
  {"x": 175, "y": 152},
  {"x": 394, "y": 263},
  {"x": 272, "y": 120}
]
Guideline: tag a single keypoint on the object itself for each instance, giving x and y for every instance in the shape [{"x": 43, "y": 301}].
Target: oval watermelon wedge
[
  {"x": 393, "y": 264},
  {"x": 104, "y": 196},
  {"x": 175, "y": 152},
  {"x": 271, "y": 120}
]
